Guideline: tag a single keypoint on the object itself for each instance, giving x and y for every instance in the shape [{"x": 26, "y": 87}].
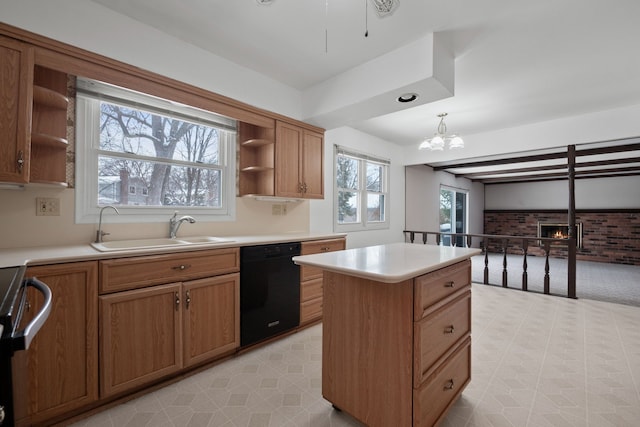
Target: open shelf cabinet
[
  {"x": 257, "y": 157},
  {"x": 49, "y": 127}
]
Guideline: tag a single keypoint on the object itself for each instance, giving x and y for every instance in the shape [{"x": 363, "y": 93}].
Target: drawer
[
  {"x": 311, "y": 289},
  {"x": 438, "y": 333},
  {"x": 435, "y": 286},
  {"x": 316, "y": 247},
  {"x": 431, "y": 402},
  {"x": 137, "y": 272},
  {"x": 310, "y": 310}
]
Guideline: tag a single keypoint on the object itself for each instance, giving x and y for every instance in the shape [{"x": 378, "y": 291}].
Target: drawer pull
[
  {"x": 325, "y": 248},
  {"x": 449, "y": 329},
  {"x": 450, "y": 284},
  {"x": 181, "y": 267},
  {"x": 449, "y": 385}
]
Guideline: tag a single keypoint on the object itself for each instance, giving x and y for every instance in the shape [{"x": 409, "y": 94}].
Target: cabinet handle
[
  {"x": 300, "y": 188},
  {"x": 177, "y": 300},
  {"x": 450, "y": 284},
  {"x": 181, "y": 267},
  {"x": 449, "y": 385},
  {"x": 188, "y": 300},
  {"x": 304, "y": 187},
  {"x": 20, "y": 160},
  {"x": 325, "y": 248},
  {"x": 449, "y": 329}
]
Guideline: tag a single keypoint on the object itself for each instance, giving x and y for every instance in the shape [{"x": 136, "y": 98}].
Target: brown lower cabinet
[
  {"x": 59, "y": 371},
  {"x": 147, "y": 334},
  {"x": 397, "y": 353},
  {"x": 311, "y": 279}
]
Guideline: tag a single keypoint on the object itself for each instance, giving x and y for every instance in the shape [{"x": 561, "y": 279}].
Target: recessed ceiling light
[
  {"x": 407, "y": 97},
  {"x": 264, "y": 1}
]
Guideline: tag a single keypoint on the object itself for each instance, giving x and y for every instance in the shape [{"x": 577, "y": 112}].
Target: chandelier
[{"x": 441, "y": 138}]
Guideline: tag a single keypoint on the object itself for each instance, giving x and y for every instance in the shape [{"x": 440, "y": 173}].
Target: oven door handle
[{"x": 22, "y": 340}]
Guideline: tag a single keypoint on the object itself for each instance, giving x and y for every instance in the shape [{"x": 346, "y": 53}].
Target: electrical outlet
[
  {"x": 47, "y": 206},
  {"x": 279, "y": 210}
]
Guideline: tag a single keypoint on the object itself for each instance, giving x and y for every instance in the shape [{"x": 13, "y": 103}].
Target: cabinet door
[
  {"x": 63, "y": 357},
  {"x": 311, "y": 279},
  {"x": 140, "y": 337},
  {"x": 312, "y": 165},
  {"x": 211, "y": 317},
  {"x": 16, "y": 76},
  {"x": 288, "y": 159}
]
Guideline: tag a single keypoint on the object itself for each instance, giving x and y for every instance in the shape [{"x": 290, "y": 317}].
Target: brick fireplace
[{"x": 611, "y": 236}]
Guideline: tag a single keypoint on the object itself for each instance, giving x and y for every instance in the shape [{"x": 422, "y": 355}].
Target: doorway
[{"x": 453, "y": 214}]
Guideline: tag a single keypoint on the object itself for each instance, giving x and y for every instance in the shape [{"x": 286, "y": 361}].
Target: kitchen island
[{"x": 396, "y": 345}]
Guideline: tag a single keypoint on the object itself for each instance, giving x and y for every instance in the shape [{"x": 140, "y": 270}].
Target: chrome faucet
[
  {"x": 99, "y": 233},
  {"x": 174, "y": 223}
]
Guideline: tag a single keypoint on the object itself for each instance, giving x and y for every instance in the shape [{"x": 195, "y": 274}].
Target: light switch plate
[{"x": 47, "y": 206}]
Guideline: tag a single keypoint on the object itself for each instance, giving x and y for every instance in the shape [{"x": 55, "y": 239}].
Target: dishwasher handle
[{"x": 22, "y": 339}]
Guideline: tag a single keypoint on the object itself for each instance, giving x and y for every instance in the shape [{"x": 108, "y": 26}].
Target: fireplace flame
[{"x": 559, "y": 235}]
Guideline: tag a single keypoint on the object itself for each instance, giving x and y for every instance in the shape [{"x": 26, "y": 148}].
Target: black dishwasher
[{"x": 269, "y": 291}]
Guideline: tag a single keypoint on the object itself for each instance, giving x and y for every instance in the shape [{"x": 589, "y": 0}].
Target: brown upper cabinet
[
  {"x": 298, "y": 162},
  {"x": 33, "y": 118},
  {"x": 16, "y": 76},
  {"x": 49, "y": 127},
  {"x": 256, "y": 164}
]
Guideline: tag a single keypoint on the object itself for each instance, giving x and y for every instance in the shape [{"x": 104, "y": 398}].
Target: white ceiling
[{"x": 516, "y": 62}]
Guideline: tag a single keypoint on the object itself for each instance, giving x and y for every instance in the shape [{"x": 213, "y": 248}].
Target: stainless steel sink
[{"x": 127, "y": 245}]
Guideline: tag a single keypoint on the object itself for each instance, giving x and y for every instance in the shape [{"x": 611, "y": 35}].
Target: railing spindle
[
  {"x": 505, "y": 275},
  {"x": 486, "y": 261},
  {"x": 525, "y": 277},
  {"x": 547, "y": 249}
]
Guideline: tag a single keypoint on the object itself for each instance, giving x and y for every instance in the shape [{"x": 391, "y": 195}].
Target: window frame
[
  {"x": 363, "y": 159},
  {"x": 87, "y": 208}
]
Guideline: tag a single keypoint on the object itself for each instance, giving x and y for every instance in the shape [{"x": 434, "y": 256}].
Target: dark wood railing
[{"x": 491, "y": 243}]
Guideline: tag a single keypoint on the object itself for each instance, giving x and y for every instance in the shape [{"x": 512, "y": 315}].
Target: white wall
[
  {"x": 600, "y": 193},
  {"x": 322, "y": 210},
  {"x": 423, "y": 198}
]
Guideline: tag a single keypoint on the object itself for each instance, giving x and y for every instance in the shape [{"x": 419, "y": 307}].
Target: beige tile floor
[{"x": 536, "y": 361}]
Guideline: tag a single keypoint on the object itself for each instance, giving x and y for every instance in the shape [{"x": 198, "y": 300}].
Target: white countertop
[
  {"x": 68, "y": 253},
  {"x": 391, "y": 263}
]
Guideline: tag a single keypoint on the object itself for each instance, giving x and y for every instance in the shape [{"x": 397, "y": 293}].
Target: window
[
  {"x": 361, "y": 191},
  {"x": 453, "y": 214},
  {"x": 151, "y": 157}
]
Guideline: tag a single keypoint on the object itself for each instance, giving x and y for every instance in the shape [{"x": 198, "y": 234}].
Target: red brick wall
[{"x": 607, "y": 236}]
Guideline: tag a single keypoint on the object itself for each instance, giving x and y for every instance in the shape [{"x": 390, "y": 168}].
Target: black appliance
[
  {"x": 269, "y": 291},
  {"x": 13, "y": 300}
]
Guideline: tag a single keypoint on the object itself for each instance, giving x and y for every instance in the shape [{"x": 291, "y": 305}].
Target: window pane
[
  {"x": 374, "y": 177},
  {"x": 375, "y": 208},
  {"x": 134, "y": 182},
  {"x": 348, "y": 212},
  {"x": 127, "y": 130},
  {"x": 347, "y": 173}
]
